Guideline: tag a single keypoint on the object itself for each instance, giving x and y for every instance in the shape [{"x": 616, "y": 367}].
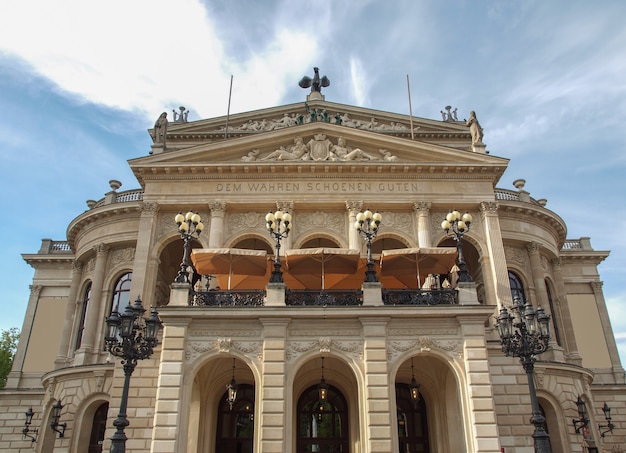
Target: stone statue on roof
[{"x": 316, "y": 83}]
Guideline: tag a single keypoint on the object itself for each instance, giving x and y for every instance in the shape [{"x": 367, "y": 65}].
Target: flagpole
[
  {"x": 230, "y": 93},
  {"x": 408, "y": 86}
]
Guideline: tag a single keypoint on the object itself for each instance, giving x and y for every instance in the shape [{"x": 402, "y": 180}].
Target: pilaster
[
  {"x": 273, "y": 424},
  {"x": 378, "y": 404},
  {"x": 569, "y": 337},
  {"x": 618, "y": 370},
  {"x": 14, "y": 377},
  {"x": 70, "y": 316},
  {"x": 144, "y": 281}
]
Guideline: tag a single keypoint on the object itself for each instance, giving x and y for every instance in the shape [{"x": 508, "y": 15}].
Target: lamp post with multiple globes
[
  {"x": 456, "y": 225},
  {"x": 367, "y": 224},
  {"x": 278, "y": 225},
  {"x": 188, "y": 225},
  {"x": 525, "y": 333},
  {"x": 131, "y": 337}
]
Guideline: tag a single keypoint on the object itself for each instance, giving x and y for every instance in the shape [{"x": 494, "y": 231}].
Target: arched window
[
  {"x": 83, "y": 315},
  {"x": 322, "y": 426},
  {"x": 121, "y": 292},
  {"x": 235, "y": 427},
  {"x": 517, "y": 288},
  {"x": 412, "y": 421},
  {"x": 555, "y": 327}
]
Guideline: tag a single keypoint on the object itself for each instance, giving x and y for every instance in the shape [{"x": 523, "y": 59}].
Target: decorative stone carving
[
  {"x": 149, "y": 208},
  {"x": 325, "y": 343},
  {"x": 126, "y": 255},
  {"x": 182, "y": 116},
  {"x": 475, "y": 129},
  {"x": 320, "y": 148},
  {"x": 453, "y": 347},
  {"x": 449, "y": 116},
  {"x": 223, "y": 344},
  {"x": 160, "y": 129},
  {"x": 514, "y": 254},
  {"x": 489, "y": 207},
  {"x": 398, "y": 220},
  {"x": 315, "y": 220}
]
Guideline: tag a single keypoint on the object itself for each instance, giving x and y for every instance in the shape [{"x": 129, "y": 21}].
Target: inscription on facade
[{"x": 318, "y": 187}]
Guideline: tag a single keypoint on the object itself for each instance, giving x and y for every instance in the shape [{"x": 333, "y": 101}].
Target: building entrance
[
  {"x": 322, "y": 426},
  {"x": 412, "y": 422}
]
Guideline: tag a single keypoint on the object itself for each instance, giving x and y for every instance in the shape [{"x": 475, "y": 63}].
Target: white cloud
[{"x": 360, "y": 86}]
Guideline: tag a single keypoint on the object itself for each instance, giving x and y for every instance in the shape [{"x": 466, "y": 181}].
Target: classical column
[
  {"x": 216, "y": 230},
  {"x": 568, "y": 336},
  {"x": 618, "y": 371},
  {"x": 14, "y": 377},
  {"x": 353, "y": 207},
  {"x": 71, "y": 315},
  {"x": 422, "y": 209},
  {"x": 497, "y": 272},
  {"x": 97, "y": 306},
  {"x": 287, "y": 206},
  {"x": 144, "y": 282}
]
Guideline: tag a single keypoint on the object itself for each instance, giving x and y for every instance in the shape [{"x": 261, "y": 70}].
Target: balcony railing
[
  {"x": 254, "y": 298},
  {"x": 420, "y": 297},
  {"x": 323, "y": 298}
]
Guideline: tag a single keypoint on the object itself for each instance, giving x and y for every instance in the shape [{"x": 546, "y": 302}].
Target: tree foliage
[{"x": 8, "y": 347}]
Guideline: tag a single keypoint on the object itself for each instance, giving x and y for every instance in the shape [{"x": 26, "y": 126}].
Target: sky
[{"x": 81, "y": 82}]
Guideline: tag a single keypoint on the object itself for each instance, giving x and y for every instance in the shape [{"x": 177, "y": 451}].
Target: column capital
[
  {"x": 148, "y": 207},
  {"x": 101, "y": 249},
  {"x": 422, "y": 207},
  {"x": 35, "y": 290},
  {"x": 354, "y": 206},
  {"x": 556, "y": 263},
  {"x": 217, "y": 207},
  {"x": 285, "y": 205},
  {"x": 533, "y": 248},
  {"x": 596, "y": 287},
  {"x": 489, "y": 207}
]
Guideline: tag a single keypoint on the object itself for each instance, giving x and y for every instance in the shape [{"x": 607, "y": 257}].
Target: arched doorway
[
  {"x": 322, "y": 426},
  {"x": 235, "y": 427},
  {"x": 412, "y": 422},
  {"x": 98, "y": 427}
]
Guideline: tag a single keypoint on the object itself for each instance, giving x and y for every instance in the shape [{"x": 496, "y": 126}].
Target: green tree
[{"x": 8, "y": 347}]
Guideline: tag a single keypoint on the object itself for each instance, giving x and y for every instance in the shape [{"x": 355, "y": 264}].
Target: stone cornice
[
  {"x": 542, "y": 216},
  {"x": 99, "y": 214}
]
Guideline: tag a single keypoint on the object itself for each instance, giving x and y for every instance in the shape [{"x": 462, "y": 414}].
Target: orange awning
[
  {"x": 326, "y": 266},
  {"x": 412, "y": 265},
  {"x": 230, "y": 262}
]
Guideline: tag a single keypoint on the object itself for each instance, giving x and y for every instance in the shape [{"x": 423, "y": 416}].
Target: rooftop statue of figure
[{"x": 316, "y": 83}]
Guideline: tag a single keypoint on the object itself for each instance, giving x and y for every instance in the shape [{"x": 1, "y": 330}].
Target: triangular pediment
[
  {"x": 182, "y": 135},
  {"x": 319, "y": 147}
]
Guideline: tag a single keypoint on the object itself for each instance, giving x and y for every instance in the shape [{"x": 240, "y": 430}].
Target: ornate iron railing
[
  {"x": 323, "y": 298},
  {"x": 254, "y": 298},
  {"x": 420, "y": 297}
]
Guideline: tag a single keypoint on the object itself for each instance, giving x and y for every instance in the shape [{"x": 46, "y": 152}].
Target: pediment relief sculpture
[
  {"x": 319, "y": 148},
  {"x": 317, "y": 115}
]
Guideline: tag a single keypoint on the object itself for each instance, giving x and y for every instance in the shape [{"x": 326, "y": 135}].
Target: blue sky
[{"x": 81, "y": 82}]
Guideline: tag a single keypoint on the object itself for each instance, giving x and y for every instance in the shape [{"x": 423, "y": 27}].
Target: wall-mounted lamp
[
  {"x": 56, "y": 415},
  {"x": 609, "y": 425},
  {"x": 583, "y": 417},
  {"x": 322, "y": 387},
  {"x": 29, "y": 419}
]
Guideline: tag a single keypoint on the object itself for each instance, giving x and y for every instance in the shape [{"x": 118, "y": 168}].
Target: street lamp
[
  {"x": 367, "y": 225},
  {"x": 525, "y": 333},
  {"x": 56, "y": 416},
  {"x": 29, "y": 419},
  {"x": 132, "y": 337},
  {"x": 455, "y": 226},
  {"x": 607, "y": 415},
  {"x": 278, "y": 225},
  {"x": 583, "y": 417},
  {"x": 187, "y": 224}
]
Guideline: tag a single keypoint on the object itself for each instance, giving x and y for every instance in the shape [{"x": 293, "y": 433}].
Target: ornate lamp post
[
  {"x": 367, "y": 225},
  {"x": 132, "y": 337},
  {"x": 188, "y": 225},
  {"x": 279, "y": 226},
  {"x": 525, "y": 334},
  {"x": 455, "y": 226}
]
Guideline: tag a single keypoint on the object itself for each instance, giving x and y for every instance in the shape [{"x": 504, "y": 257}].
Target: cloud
[{"x": 359, "y": 82}]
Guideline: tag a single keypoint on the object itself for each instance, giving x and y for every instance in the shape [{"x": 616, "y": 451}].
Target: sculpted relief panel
[{"x": 320, "y": 148}]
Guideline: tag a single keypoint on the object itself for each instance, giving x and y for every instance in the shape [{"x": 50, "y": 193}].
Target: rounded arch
[
  {"x": 389, "y": 241},
  {"x": 333, "y": 237},
  {"x": 443, "y": 386},
  {"x": 86, "y": 412},
  {"x": 210, "y": 374},
  {"x": 81, "y": 313},
  {"x": 252, "y": 241},
  {"x": 518, "y": 284},
  {"x": 341, "y": 373},
  {"x": 554, "y": 426}
]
